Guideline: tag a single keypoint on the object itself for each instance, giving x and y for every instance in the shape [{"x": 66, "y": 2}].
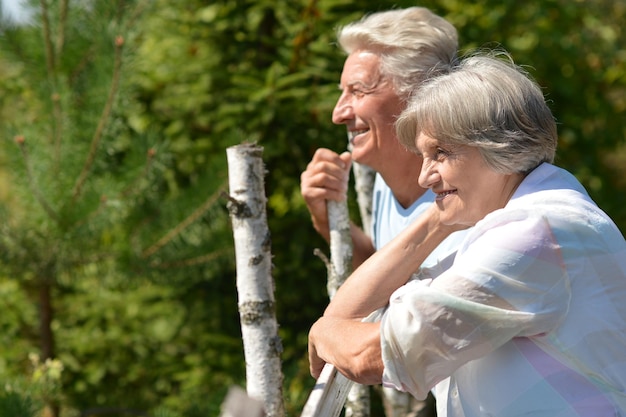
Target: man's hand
[{"x": 325, "y": 178}]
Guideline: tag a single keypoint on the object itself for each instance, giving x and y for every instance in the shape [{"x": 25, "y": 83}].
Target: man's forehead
[{"x": 361, "y": 67}]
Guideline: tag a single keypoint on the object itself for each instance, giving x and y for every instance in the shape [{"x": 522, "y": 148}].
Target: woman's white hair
[
  {"x": 487, "y": 102},
  {"x": 413, "y": 43}
]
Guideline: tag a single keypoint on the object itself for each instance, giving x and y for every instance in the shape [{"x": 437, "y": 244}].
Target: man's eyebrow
[{"x": 358, "y": 83}]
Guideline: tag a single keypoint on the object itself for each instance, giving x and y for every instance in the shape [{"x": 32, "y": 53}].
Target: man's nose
[{"x": 343, "y": 110}]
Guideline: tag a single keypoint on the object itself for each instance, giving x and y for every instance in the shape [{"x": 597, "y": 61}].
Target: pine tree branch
[
  {"x": 104, "y": 117},
  {"x": 58, "y": 128},
  {"x": 302, "y": 40},
  {"x": 56, "y": 99},
  {"x": 93, "y": 214},
  {"x": 126, "y": 193},
  {"x": 47, "y": 37},
  {"x": 62, "y": 24},
  {"x": 182, "y": 225},
  {"x": 129, "y": 190},
  {"x": 51, "y": 60},
  {"x": 32, "y": 182}
]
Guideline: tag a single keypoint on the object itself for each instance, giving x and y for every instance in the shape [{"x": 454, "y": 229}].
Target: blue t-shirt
[{"x": 389, "y": 218}]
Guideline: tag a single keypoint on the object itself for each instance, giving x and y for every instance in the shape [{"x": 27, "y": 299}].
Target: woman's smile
[
  {"x": 465, "y": 187},
  {"x": 444, "y": 194}
]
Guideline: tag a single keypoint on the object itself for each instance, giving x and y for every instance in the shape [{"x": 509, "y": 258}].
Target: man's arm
[{"x": 326, "y": 178}]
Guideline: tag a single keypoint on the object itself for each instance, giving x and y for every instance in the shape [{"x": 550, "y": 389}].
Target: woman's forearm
[{"x": 370, "y": 286}]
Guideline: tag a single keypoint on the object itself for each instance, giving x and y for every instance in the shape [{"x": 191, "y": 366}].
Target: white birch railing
[
  {"x": 396, "y": 403},
  {"x": 255, "y": 288},
  {"x": 364, "y": 177},
  {"x": 329, "y": 394},
  {"x": 332, "y": 391},
  {"x": 262, "y": 346},
  {"x": 358, "y": 401}
]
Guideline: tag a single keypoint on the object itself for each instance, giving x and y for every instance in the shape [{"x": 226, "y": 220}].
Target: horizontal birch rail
[{"x": 328, "y": 395}]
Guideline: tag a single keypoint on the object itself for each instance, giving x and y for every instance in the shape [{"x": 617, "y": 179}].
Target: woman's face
[
  {"x": 466, "y": 188},
  {"x": 368, "y": 106}
]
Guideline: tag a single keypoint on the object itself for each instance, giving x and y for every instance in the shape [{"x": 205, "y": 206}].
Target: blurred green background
[{"x": 116, "y": 252}]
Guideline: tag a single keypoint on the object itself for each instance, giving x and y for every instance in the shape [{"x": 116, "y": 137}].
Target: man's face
[{"x": 368, "y": 106}]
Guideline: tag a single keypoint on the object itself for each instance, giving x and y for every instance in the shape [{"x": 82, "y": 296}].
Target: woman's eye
[{"x": 440, "y": 153}]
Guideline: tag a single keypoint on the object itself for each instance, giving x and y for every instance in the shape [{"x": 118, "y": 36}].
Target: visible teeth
[
  {"x": 353, "y": 133},
  {"x": 445, "y": 193}
]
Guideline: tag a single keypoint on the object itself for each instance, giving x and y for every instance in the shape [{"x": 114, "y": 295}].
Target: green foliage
[
  {"x": 14, "y": 404},
  {"x": 155, "y": 345},
  {"x": 98, "y": 233},
  {"x": 141, "y": 261},
  {"x": 27, "y": 396}
]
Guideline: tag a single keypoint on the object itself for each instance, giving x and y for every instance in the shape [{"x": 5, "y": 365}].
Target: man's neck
[{"x": 402, "y": 180}]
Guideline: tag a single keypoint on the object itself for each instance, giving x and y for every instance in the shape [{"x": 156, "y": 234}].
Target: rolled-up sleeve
[{"x": 508, "y": 280}]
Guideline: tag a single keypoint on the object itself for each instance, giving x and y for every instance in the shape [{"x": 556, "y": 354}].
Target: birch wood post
[
  {"x": 364, "y": 184},
  {"x": 358, "y": 401},
  {"x": 239, "y": 404},
  {"x": 341, "y": 252},
  {"x": 328, "y": 395},
  {"x": 255, "y": 288},
  {"x": 340, "y": 245},
  {"x": 333, "y": 391},
  {"x": 397, "y": 403}
]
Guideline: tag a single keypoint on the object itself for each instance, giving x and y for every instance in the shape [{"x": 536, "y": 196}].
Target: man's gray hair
[{"x": 413, "y": 44}]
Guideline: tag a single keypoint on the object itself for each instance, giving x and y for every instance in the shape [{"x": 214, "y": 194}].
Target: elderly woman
[{"x": 530, "y": 319}]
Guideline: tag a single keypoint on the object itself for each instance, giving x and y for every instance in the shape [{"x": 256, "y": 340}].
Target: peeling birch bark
[
  {"x": 397, "y": 403},
  {"x": 332, "y": 391},
  {"x": 341, "y": 251},
  {"x": 255, "y": 287},
  {"x": 364, "y": 185},
  {"x": 328, "y": 395},
  {"x": 239, "y": 404},
  {"x": 358, "y": 402},
  {"x": 340, "y": 245}
]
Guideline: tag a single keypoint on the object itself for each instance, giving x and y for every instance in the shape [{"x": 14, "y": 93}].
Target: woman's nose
[
  {"x": 428, "y": 175},
  {"x": 343, "y": 110}
]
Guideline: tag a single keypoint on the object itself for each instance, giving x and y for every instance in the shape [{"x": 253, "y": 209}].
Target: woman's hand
[{"x": 353, "y": 347}]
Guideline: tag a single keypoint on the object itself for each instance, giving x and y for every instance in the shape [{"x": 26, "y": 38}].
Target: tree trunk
[
  {"x": 358, "y": 402},
  {"x": 341, "y": 251},
  {"x": 396, "y": 403},
  {"x": 340, "y": 245},
  {"x": 364, "y": 184},
  {"x": 46, "y": 335},
  {"x": 329, "y": 394},
  {"x": 46, "y": 314},
  {"x": 255, "y": 287}
]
